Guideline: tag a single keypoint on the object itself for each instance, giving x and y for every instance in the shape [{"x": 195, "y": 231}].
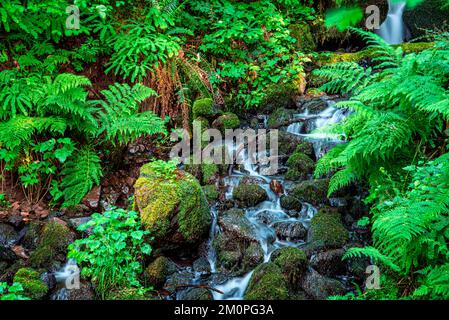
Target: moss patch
[
  {"x": 33, "y": 286},
  {"x": 267, "y": 283},
  {"x": 211, "y": 192},
  {"x": 249, "y": 195},
  {"x": 55, "y": 238},
  {"x": 311, "y": 191},
  {"x": 293, "y": 263},
  {"x": 203, "y": 108},
  {"x": 175, "y": 210},
  {"x": 228, "y": 120},
  {"x": 299, "y": 166},
  {"x": 327, "y": 230}
]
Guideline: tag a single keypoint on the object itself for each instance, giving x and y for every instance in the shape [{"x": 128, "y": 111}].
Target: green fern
[{"x": 80, "y": 174}]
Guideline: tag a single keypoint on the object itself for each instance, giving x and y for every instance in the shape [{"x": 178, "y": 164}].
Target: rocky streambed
[{"x": 222, "y": 231}]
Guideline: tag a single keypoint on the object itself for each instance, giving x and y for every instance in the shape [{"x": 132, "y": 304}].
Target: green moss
[
  {"x": 129, "y": 294},
  {"x": 290, "y": 203},
  {"x": 55, "y": 238},
  {"x": 211, "y": 192},
  {"x": 299, "y": 166},
  {"x": 293, "y": 263},
  {"x": 279, "y": 116},
  {"x": 158, "y": 271},
  {"x": 203, "y": 108},
  {"x": 306, "y": 148},
  {"x": 304, "y": 38},
  {"x": 311, "y": 191},
  {"x": 227, "y": 120},
  {"x": 172, "y": 206},
  {"x": 267, "y": 283},
  {"x": 209, "y": 171},
  {"x": 326, "y": 229},
  {"x": 249, "y": 195},
  {"x": 33, "y": 286}
]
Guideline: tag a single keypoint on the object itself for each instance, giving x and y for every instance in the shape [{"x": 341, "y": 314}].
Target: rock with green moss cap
[
  {"x": 173, "y": 208},
  {"x": 158, "y": 271},
  {"x": 52, "y": 248},
  {"x": 311, "y": 191},
  {"x": 279, "y": 116},
  {"x": 249, "y": 195},
  {"x": 327, "y": 230},
  {"x": 199, "y": 294},
  {"x": 267, "y": 283},
  {"x": 201, "y": 121},
  {"x": 33, "y": 286},
  {"x": 227, "y": 120},
  {"x": 203, "y": 108},
  {"x": 290, "y": 203},
  {"x": 300, "y": 166},
  {"x": 293, "y": 264},
  {"x": 320, "y": 287}
]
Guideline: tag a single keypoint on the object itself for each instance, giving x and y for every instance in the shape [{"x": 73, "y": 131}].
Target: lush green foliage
[
  {"x": 13, "y": 292},
  {"x": 112, "y": 255},
  {"x": 400, "y": 108}
]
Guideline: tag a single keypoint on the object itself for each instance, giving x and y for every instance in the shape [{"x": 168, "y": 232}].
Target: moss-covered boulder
[
  {"x": 172, "y": 207},
  {"x": 289, "y": 143},
  {"x": 203, "y": 108},
  {"x": 290, "y": 203},
  {"x": 305, "y": 41},
  {"x": 311, "y": 191},
  {"x": 281, "y": 95},
  {"x": 267, "y": 283},
  {"x": 327, "y": 230},
  {"x": 158, "y": 271},
  {"x": 300, "y": 166},
  {"x": 279, "y": 116},
  {"x": 52, "y": 248},
  {"x": 203, "y": 122},
  {"x": 293, "y": 264},
  {"x": 129, "y": 294},
  {"x": 329, "y": 263},
  {"x": 195, "y": 294},
  {"x": 249, "y": 195},
  {"x": 227, "y": 120},
  {"x": 33, "y": 286}
]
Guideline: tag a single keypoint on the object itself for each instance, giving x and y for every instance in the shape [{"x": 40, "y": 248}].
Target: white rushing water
[
  {"x": 392, "y": 30},
  {"x": 234, "y": 288}
]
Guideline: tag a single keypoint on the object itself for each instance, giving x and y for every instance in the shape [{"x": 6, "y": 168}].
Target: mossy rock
[
  {"x": 290, "y": 203},
  {"x": 158, "y": 271},
  {"x": 267, "y": 283},
  {"x": 196, "y": 294},
  {"x": 279, "y": 116},
  {"x": 327, "y": 230},
  {"x": 54, "y": 239},
  {"x": 280, "y": 95},
  {"x": 129, "y": 294},
  {"x": 293, "y": 263},
  {"x": 211, "y": 192},
  {"x": 174, "y": 209},
  {"x": 33, "y": 286},
  {"x": 209, "y": 172},
  {"x": 249, "y": 195},
  {"x": 203, "y": 108},
  {"x": 306, "y": 147},
  {"x": 311, "y": 191},
  {"x": 300, "y": 166},
  {"x": 305, "y": 41},
  {"x": 288, "y": 142},
  {"x": 227, "y": 120}
]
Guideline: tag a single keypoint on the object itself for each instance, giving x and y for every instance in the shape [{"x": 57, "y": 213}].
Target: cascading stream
[
  {"x": 392, "y": 30},
  {"x": 234, "y": 288}
]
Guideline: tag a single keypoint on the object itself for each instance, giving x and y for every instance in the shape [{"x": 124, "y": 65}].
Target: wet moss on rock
[
  {"x": 203, "y": 108},
  {"x": 299, "y": 166},
  {"x": 54, "y": 239},
  {"x": 174, "y": 209},
  {"x": 249, "y": 195},
  {"x": 293, "y": 264},
  {"x": 33, "y": 286},
  {"x": 227, "y": 120},
  {"x": 267, "y": 283},
  {"x": 327, "y": 230},
  {"x": 311, "y": 191},
  {"x": 211, "y": 192}
]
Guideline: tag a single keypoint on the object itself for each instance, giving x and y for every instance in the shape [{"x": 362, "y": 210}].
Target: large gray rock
[
  {"x": 290, "y": 230},
  {"x": 320, "y": 287}
]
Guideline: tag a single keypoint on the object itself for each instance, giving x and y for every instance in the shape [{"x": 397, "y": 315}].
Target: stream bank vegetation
[{"x": 85, "y": 118}]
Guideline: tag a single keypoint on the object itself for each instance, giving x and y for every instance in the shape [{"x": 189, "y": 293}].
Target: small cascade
[
  {"x": 234, "y": 288},
  {"x": 392, "y": 30}
]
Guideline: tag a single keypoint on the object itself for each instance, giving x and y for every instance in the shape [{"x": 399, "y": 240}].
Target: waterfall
[{"x": 392, "y": 30}]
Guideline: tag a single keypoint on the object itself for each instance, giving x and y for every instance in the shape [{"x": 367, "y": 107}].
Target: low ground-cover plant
[
  {"x": 12, "y": 292},
  {"x": 112, "y": 255}
]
